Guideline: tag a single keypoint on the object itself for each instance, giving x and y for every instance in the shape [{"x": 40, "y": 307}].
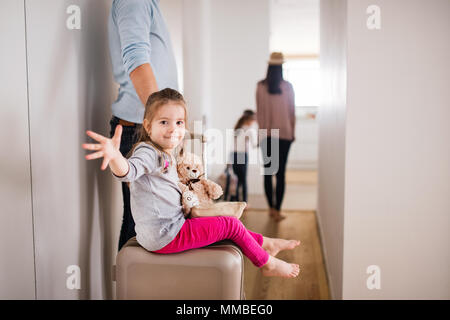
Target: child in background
[
  {"x": 245, "y": 136},
  {"x": 156, "y": 197}
]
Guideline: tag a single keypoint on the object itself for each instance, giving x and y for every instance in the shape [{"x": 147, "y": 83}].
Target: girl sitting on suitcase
[{"x": 156, "y": 197}]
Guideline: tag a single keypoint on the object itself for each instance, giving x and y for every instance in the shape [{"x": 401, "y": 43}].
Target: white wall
[
  {"x": 294, "y": 26},
  {"x": 397, "y": 201},
  {"x": 17, "y": 276},
  {"x": 240, "y": 50},
  {"x": 331, "y": 118},
  {"x": 303, "y": 152},
  {"x": 397, "y": 157},
  {"x": 60, "y": 209},
  {"x": 70, "y": 91},
  {"x": 172, "y": 11},
  {"x": 196, "y": 61}
]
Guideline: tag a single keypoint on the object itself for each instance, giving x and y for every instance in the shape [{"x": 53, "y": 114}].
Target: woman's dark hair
[
  {"x": 273, "y": 79},
  {"x": 246, "y": 116}
]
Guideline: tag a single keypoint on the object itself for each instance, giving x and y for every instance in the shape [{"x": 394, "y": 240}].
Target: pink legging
[{"x": 200, "y": 232}]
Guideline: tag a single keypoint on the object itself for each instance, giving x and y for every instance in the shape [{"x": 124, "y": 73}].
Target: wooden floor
[
  {"x": 301, "y": 177},
  {"x": 300, "y": 224},
  {"x": 312, "y": 281}
]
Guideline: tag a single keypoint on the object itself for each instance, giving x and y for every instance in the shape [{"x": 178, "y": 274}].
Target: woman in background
[
  {"x": 275, "y": 109},
  {"x": 245, "y": 136}
]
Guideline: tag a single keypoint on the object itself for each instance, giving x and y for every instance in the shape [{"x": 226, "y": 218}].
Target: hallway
[{"x": 299, "y": 205}]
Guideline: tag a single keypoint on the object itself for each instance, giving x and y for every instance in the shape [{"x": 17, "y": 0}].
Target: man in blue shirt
[{"x": 143, "y": 62}]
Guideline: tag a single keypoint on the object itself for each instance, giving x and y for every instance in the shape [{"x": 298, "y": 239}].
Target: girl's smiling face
[{"x": 167, "y": 128}]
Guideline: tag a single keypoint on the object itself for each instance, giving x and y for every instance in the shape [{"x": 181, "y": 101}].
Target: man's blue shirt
[{"x": 137, "y": 35}]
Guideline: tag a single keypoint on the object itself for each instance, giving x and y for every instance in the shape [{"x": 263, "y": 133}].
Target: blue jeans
[{"x": 129, "y": 138}]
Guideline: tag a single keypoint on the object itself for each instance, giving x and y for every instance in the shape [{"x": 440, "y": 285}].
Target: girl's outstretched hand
[{"x": 109, "y": 149}]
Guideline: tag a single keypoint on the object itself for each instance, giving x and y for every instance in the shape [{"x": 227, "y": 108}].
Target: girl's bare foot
[
  {"x": 279, "y": 268},
  {"x": 273, "y": 245}
]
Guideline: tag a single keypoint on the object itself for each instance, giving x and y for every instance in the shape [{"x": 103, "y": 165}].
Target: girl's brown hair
[
  {"x": 157, "y": 100},
  {"x": 246, "y": 116}
]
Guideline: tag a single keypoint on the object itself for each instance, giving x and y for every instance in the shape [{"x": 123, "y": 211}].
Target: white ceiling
[{"x": 294, "y": 26}]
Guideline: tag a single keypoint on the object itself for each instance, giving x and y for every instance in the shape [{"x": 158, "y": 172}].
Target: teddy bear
[{"x": 196, "y": 190}]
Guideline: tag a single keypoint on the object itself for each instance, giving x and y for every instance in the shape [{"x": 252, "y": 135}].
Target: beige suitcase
[{"x": 215, "y": 272}]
